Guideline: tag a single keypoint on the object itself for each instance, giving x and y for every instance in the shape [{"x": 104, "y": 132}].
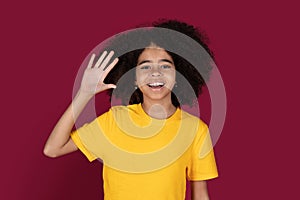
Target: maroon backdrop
[{"x": 256, "y": 45}]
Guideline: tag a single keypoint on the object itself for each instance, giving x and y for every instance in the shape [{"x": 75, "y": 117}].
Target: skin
[
  {"x": 59, "y": 142},
  {"x": 155, "y": 65}
]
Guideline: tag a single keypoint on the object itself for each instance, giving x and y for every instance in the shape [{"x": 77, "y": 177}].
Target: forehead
[{"x": 154, "y": 54}]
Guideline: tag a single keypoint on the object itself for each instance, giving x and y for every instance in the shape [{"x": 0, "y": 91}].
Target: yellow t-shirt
[{"x": 146, "y": 158}]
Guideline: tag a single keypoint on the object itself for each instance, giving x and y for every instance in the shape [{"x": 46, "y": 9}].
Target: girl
[{"x": 151, "y": 146}]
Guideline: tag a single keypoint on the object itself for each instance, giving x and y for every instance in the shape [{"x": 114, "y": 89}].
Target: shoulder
[
  {"x": 116, "y": 109},
  {"x": 122, "y": 108},
  {"x": 185, "y": 116},
  {"x": 119, "y": 112}
]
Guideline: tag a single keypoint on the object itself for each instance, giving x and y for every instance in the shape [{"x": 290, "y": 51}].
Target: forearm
[
  {"x": 59, "y": 141},
  {"x": 199, "y": 190},
  {"x": 60, "y": 135}
]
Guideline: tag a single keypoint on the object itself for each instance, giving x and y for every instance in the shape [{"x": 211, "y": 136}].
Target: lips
[{"x": 156, "y": 84}]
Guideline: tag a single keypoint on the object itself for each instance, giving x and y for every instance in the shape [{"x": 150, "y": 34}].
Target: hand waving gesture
[{"x": 94, "y": 75}]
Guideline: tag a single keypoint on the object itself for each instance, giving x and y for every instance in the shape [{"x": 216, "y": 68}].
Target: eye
[
  {"x": 165, "y": 66},
  {"x": 145, "y": 67}
]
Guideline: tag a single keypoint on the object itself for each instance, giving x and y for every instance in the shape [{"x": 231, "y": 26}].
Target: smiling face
[{"x": 155, "y": 75}]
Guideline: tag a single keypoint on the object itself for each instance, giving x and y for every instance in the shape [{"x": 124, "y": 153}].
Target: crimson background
[{"x": 256, "y": 45}]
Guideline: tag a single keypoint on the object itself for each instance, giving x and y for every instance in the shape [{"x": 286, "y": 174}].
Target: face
[{"x": 155, "y": 74}]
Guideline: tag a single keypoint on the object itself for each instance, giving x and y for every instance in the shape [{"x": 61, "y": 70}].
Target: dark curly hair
[{"x": 192, "y": 71}]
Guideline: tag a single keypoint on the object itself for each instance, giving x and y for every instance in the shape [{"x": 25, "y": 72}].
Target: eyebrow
[{"x": 162, "y": 60}]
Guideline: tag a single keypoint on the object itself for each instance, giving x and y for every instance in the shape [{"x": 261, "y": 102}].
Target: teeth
[{"x": 155, "y": 84}]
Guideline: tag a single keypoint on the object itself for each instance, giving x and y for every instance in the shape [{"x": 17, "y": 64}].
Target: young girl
[{"x": 150, "y": 147}]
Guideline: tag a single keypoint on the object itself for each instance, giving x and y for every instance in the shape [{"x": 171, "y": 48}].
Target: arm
[
  {"x": 59, "y": 142},
  {"x": 199, "y": 190}
]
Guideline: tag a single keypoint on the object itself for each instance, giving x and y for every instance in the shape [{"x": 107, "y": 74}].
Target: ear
[{"x": 175, "y": 85}]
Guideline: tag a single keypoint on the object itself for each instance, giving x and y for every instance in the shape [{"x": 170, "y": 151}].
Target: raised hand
[
  {"x": 94, "y": 75},
  {"x": 59, "y": 142}
]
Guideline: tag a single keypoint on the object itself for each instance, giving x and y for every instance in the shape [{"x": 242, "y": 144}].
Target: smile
[{"x": 156, "y": 85}]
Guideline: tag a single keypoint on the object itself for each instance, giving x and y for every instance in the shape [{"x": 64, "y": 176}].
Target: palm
[{"x": 94, "y": 75}]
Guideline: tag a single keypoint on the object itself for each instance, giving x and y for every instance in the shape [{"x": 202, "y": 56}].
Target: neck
[{"x": 159, "y": 110}]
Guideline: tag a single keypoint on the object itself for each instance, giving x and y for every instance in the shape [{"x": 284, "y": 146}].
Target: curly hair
[{"x": 188, "y": 75}]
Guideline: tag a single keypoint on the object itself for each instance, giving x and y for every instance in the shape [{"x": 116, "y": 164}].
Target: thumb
[
  {"x": 111, "y": 86},
  {"x": 101, "y": 88}
]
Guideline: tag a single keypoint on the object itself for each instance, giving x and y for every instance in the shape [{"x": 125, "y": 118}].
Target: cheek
[
  {"x": 140, "y": 78},
  {"x": 172, "y": 76}
]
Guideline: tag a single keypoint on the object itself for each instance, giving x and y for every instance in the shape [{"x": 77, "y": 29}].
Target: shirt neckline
[{"x": 175, "y": 115}]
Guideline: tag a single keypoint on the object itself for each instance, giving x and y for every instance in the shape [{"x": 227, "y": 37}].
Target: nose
[{"x": 156, "y": 71}]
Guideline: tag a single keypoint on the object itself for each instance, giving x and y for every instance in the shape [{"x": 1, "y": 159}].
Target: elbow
[{"x": 50, "y": 152}]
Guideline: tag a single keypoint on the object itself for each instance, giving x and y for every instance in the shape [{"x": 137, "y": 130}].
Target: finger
[
  {"x": 91, "y": 61},
  {"x": 105, "y": 87},
  {"x": 106, "y": 60},
  {"x": 109, "y": 68},
  {"x": 108, "y": 86},
  {"x": 99, "y": 61}
]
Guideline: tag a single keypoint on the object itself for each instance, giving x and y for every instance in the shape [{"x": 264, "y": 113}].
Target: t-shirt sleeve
[
  {"x": 81, "y": 146},
  {"x": 202, "y": 164},
  {"x": 89, "y": 137}
]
